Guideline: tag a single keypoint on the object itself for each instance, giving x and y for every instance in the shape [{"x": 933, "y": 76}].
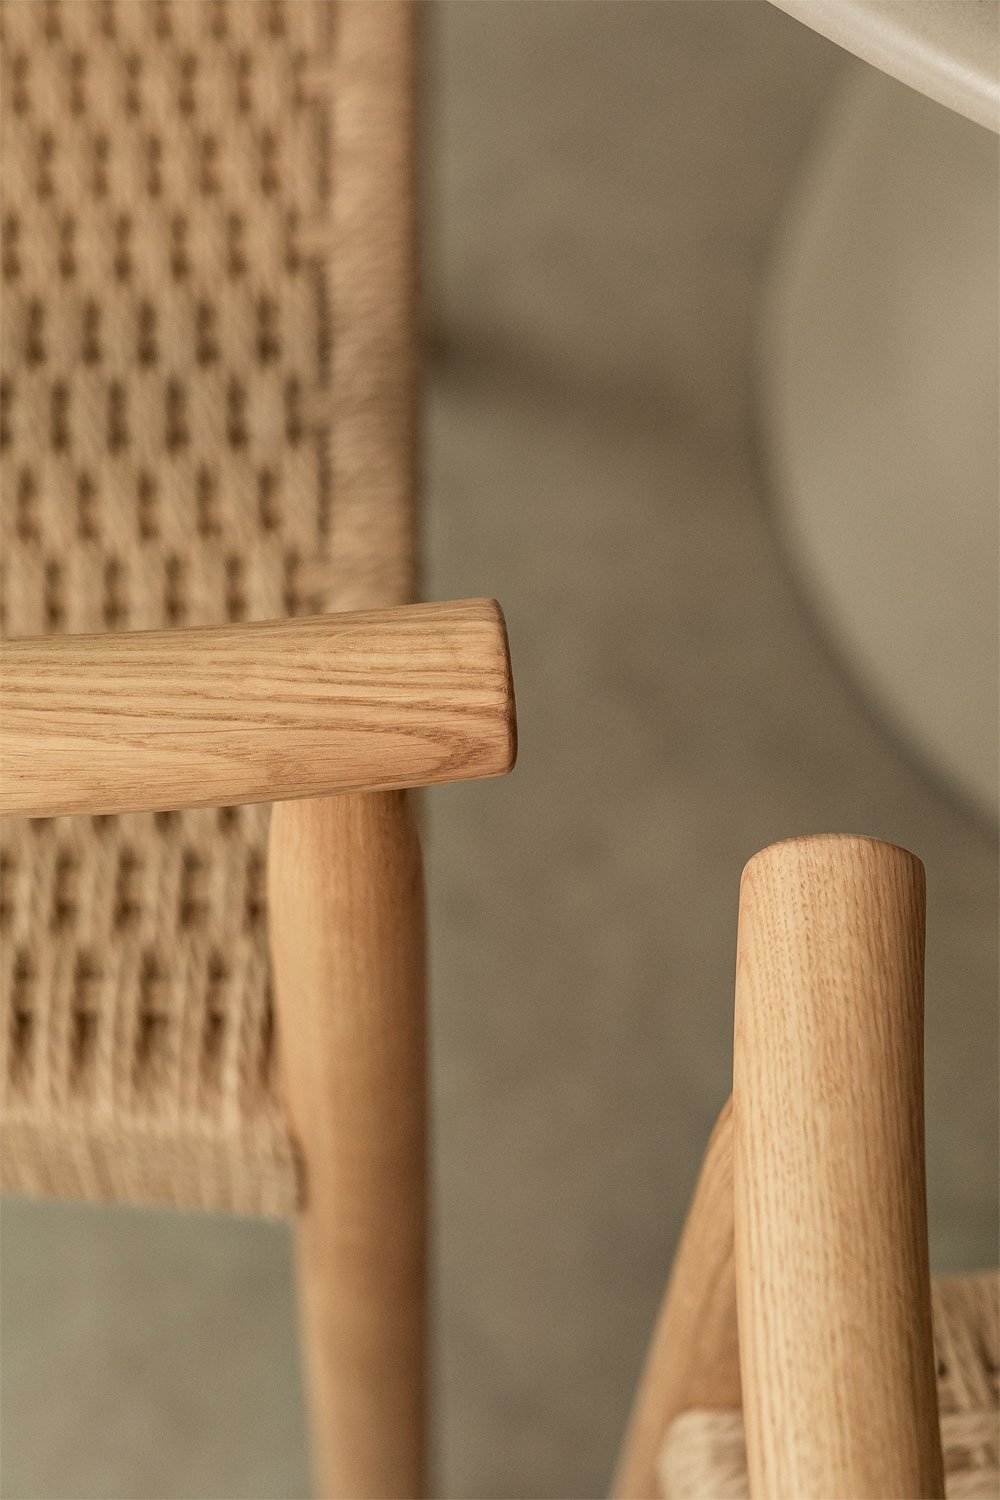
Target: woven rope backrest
[{"x": 172, "y": 318}]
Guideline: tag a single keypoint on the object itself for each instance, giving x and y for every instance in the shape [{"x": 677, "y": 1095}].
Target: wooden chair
[
  {"x": 794, "y": 1354},
  {"x": 209, "y": 537}
]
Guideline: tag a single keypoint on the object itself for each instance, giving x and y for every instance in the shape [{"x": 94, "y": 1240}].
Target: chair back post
[{"x": 833, "y": 1285}]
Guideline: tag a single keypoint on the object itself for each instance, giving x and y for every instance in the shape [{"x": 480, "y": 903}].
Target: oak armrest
[{"x": 258, "y": 712}]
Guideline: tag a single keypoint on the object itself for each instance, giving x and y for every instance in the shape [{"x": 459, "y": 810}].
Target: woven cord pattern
[
  {"x": 172, "y": 316},
  {"x": 704, "y": 1453}
]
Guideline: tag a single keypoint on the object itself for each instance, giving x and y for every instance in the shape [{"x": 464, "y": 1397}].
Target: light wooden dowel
[
  {"x": 347, "y": 941},
  {"x": 258, "y": 712},
  {"x": 693, "y": 1360},
  {"x": 836, "y": 1348}
]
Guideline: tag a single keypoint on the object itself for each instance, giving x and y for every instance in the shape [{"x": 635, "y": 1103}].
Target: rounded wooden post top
[
  {"x": 838, "y": 904},
  {"x": 816, "y": 852}
]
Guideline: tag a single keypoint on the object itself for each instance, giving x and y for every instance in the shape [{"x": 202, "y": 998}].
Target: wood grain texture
[
  {"x": 693, "y": 1359},
  {"x": 257, "y": 712},
  {"x": 835, "y": 1336},
  {"x": 347, "y": 940}
]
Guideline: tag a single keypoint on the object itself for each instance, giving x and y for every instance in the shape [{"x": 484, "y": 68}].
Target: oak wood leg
[
  {"x": 347, "y": 938},
  {"x": 836, "y": 1345}
]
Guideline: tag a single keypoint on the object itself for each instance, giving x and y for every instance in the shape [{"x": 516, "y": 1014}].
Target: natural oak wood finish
[
  {"x": 347, "y": 938},
  {"x": 256, "y": 712},
  {"x": 693, "y": 1359},
  {"x": 835, "y": 1337}
]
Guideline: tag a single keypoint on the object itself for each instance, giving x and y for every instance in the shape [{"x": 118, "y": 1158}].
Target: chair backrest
[{"x": 208, "y": 418}]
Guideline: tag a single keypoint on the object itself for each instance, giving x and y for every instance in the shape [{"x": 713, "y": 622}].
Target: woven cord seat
[
  {"x": 207, "y": 417},
  {"x": 704, "y": 1454}
]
